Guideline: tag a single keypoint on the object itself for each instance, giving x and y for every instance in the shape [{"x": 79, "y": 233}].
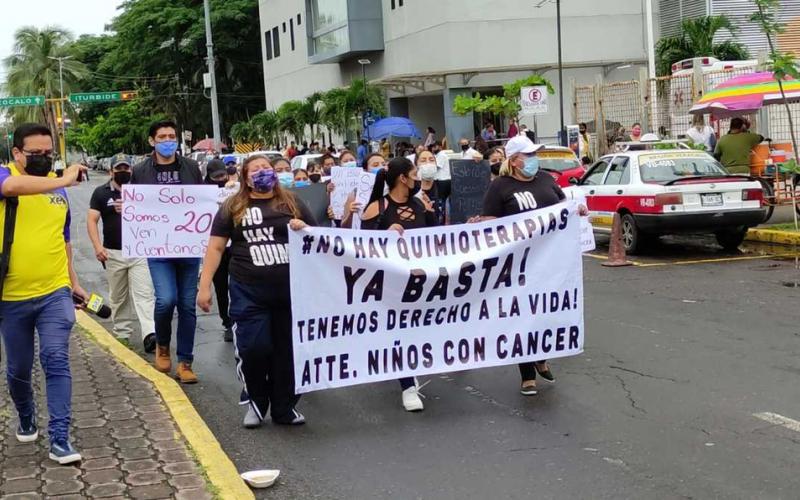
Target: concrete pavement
[{"x": 682, "y": 364}]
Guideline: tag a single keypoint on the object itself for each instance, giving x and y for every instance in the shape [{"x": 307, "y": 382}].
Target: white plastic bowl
[{"x": 261, "y": 478}]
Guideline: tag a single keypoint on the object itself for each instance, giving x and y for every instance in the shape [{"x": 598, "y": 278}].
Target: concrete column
[{"x": 456, "y": 126}]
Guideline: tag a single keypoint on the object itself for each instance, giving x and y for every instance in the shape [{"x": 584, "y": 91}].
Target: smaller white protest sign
[
  {"x": 167, "y": 221},
  {"x": 587, "y": 232},
  {"x": 534, "y": 100},
  {"x": 347, "y": 180}
]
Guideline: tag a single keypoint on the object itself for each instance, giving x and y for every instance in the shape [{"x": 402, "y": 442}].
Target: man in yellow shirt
[{"x": 38, "y": 289}]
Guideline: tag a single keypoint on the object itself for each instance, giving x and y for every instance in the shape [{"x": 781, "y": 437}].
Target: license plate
[{"x": 711, "y": 200}]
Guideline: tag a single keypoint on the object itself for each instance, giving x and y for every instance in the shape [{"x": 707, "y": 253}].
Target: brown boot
[
  {"x": 163, "y": 362},
  {"x": 185, "y": 374}
]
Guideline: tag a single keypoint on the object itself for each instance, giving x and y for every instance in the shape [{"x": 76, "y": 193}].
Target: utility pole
[
  {"x": 210, "y": 47},
  {"x": 62, "y": 143},
  {"x": 364, "y": 63},
  {"x": 562, "y": 132}
]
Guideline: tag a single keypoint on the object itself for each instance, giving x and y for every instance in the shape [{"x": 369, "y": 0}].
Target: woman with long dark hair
[
  {"x": 255, "y": 220},
  {"x": 427, "y": 168},
  {"x": 399, "y": 210}
]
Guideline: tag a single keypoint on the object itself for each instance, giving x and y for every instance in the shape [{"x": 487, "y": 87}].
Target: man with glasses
[
  {"x": 129, "y": 282},
  {"x": 40, "y": 287},
  {"x": 174, "y": 280}
]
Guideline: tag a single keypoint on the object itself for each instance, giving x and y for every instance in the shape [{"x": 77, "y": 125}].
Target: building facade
[{"x": 425, "y": 53}]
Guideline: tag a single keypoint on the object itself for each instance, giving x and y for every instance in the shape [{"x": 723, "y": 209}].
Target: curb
[
  {"x": 773, "y": 236},
  {"x": 221, "y": 471}
]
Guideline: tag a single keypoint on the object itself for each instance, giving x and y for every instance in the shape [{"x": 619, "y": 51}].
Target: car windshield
[
  {"x": 558, "y": 163},
  {"x": 662, "y": 168}
]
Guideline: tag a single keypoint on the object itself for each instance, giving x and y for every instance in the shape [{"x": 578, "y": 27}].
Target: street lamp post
[
  {"x": 213, "y": 78},
  {"x": 364, "y": 63},
  {"x": 562, "y": 133},
  {"x": 62, "y": 143}
]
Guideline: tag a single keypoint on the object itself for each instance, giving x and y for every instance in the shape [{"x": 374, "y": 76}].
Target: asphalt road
[{"x": 680, "y": 357}]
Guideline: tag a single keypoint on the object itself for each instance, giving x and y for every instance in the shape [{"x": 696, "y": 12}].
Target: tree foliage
[
  {"x": 505, "y": 105},
  {"x": 697, "y": 40}
]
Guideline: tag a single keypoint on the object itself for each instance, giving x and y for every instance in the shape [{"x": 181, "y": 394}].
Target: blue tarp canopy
[{"x": 393, "y": 126}]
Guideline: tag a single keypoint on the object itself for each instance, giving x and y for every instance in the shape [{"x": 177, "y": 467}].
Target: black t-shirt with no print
[
  {"x": 102, "y": 200},
  {"x": 260, "y": 244},
  {"x": 510, "y": 196}
]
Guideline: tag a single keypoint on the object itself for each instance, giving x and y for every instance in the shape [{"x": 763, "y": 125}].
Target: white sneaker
[
  {"x": 251, "y": 419},
  {"x": 411, "y": 399}
]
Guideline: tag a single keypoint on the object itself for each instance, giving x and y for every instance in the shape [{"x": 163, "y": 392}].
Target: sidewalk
[{"x": 130, "y": 445}]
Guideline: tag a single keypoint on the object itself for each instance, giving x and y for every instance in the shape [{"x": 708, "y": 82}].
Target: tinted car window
[
  {"x": 595, "y": 174},
  {"x": 661, "y": 168},
  {"x": 618, "y": 173}
]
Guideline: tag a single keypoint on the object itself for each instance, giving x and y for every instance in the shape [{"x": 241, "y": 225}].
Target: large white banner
[
  {"x": 373, "y": 305},
  {"x": 168, "y": 221}
]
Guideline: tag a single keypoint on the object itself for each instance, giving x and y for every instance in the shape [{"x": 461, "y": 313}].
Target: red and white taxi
[
  {"x": 659, "y": 192},
  {"x": 561, "y": 163}
]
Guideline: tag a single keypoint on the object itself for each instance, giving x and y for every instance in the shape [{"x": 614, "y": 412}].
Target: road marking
[
  {"x": 774, "y": 418},
  {"x": 220, "y": 469},
  {"x": 698, "y": 261}
]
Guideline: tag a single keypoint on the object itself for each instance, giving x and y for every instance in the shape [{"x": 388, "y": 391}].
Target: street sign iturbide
[
  {"x": 10, "y": 102},
  {"x": 91, "y": 97}
]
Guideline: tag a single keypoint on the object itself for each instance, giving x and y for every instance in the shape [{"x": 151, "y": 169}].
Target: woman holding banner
[
  {"x": 426, "y": 166},
  {"x": 399, "y": 210},
  {"x": 522, "y": 187},
  {"x": 255, "y": 220}
]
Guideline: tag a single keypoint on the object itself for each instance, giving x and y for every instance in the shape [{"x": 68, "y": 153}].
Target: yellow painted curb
[
  {"x": 773, "y": 236},
  {"x": 219, "y": 468}
]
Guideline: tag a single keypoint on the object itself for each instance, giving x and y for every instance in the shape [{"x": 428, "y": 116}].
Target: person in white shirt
[
  {"x": 700, "y": 133},
  {"x": 467, "y": 152}
]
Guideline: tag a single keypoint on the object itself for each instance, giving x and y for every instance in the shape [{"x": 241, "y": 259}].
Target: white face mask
[{"x": 427, "y": 171}]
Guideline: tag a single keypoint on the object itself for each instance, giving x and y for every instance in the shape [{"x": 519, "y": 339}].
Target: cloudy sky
[{"x": 78, "y": 16}]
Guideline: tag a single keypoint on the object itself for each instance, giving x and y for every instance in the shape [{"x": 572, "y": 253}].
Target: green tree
[
  {"x": 506, "y": 105},
  {"x": 32, "y": 71},
  {"x": 697, "y": 40}
]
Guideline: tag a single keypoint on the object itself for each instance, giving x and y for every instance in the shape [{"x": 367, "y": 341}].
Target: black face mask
[
  {"x": 327, "y": 171},
  {"x": 231, "y": 170},
  {"x": 413, "y": 191},
  {"x": 496, "y": 168},
  {"x": 122, "y": 177},
  {"x": 38, "y": 165},
  {"x": 219, "y": 182},
  {"x": 464, "y": 147},
  {"x": 315, "y": 178}
]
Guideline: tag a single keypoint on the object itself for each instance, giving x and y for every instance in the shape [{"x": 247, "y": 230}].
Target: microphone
[{"x": 94, "y": 305}]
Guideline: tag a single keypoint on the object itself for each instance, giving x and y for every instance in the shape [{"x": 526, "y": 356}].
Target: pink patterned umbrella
[{"x": 745, "y": 94}]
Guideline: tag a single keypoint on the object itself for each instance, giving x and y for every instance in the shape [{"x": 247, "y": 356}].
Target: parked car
[
  {"x": 301, "y": 161},
  {"x": 561, "y": 163},
  {"x": 660, "y": 192}
]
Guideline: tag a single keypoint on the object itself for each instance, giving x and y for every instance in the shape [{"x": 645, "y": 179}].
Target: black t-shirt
[
  {"x": 103, "y": 201},
  {"x": 410, "y": 215},
  {"x": 438, "y": 203},
  {"x": 509, "y": 196},
  {"x": 168, "y": 174},
  {"x": 260, "y": 244}
]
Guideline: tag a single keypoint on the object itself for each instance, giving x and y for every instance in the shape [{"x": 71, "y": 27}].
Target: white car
[
  {"x": 659, "y": 192},
  {"x": 301, "y": 161}
]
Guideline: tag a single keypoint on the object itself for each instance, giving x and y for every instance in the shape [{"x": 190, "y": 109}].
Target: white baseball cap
[{"x": 521, "y": 144}]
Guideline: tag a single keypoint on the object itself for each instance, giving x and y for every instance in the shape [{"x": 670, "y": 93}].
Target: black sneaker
[
  {"x": 543, "y": 369},
  {"x": 294, "y": 418},
  {"x": 149, "y": 342},
  {"x": 228, "y": 335},
  {"x": 27, "y": 431},
  {"x": 62, "y": 452}
]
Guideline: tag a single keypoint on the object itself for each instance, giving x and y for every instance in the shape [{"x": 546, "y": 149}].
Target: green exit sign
[
  {"x": 10, "y": 102},
  {"x": 92, "y": 97}
]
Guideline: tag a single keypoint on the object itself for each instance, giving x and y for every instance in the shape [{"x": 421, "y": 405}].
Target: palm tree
[
  {"x": 697, "y": 40},
  {"x": 290, "y": 119},
  {"x": 265, "y": 126},
  {"x": 31, "y": 69},
  {"x": 312, "y": 112}
]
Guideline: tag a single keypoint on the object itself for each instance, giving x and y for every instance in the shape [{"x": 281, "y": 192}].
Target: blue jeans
[
  {"x": 52, "y": 316},
  {"x": 175, "y": 283}
]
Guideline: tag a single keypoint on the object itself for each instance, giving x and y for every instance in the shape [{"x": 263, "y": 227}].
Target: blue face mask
[
  {"x": 349, "y": 164},
  {"x": 531, "y": 166},
  {"x": 300, "y": 184},
  {"x": 286, "y": 179},
  {"x": 166, "y": 148}
]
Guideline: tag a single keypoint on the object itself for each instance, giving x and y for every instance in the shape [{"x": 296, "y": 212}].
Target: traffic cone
[{"x": 616, "y": 250}]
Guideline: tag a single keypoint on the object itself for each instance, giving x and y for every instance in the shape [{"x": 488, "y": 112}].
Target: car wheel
[
  {"x": 730, "y": 239},
  {"x": 769, "y": 199},
  {"x": 631, "y": 236}
]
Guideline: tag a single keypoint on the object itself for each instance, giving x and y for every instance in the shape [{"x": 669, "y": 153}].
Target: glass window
[
  {"x": 618, "y": 173},
  {"x": 595, "y": 175},
  {"x": 332, "y": 41},
  {"x": 268, "y": 44},
  {"x": 276, "y": 42},
  {"x": 299, "y": 20},
  {"x": 659, "y": 168},
  {"x": 327, "y": 14},
  {"x": 291, "y": 31}
]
